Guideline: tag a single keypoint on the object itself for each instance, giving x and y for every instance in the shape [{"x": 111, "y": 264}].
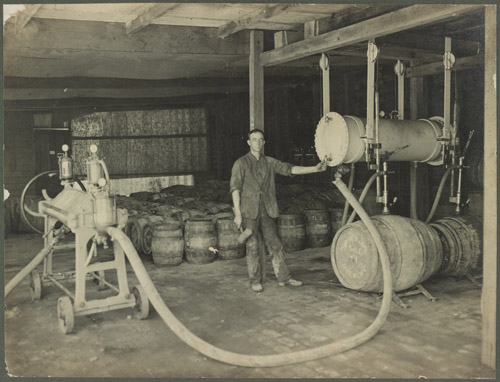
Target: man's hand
[
  {"x": 321, "y": 166},
  {"x": 237, "y": 220}
]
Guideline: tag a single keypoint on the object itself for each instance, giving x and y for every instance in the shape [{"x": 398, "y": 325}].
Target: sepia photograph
[{"x": 264, "y": 190}]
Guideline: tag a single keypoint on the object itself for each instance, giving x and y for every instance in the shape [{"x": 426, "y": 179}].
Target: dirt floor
[{"x": 439, "y": 339}]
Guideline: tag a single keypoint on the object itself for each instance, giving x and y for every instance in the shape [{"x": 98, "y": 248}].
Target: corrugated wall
[{"x": 147, "y": 142}]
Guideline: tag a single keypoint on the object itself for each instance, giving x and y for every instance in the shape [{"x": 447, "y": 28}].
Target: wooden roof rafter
[
  {"x": 255, "y": 17},
  {"x": 397, "y": 21},
  {"x": 147, "y": 15}
]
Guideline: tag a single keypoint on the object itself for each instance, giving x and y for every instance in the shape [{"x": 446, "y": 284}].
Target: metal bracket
[
  {"x": 448, "y": 60},
  {"x": 372, "y": 52},
  {"x": 399, "y": 68}
]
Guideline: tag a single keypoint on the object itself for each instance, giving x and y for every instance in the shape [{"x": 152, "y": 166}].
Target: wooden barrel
[
  {"x": 336, "y": 215},
  {"x": 147, "y": 233},
  {"x": 199, "y": 237},
  {"x": 475, "y": 173},
  {"x": 167, "y": 244},
  {"x": 227, "y": 240},
  {"x": 140, "y": 231},
  {"x": 318, "y": 228},
  {"x": 292, "y": 231},
  {"x": 414, "y": 250},
  {"x": 461, "y": 240}
]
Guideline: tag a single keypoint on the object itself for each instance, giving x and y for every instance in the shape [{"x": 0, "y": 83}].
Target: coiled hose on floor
[
  {"x": 236, "y": 358},
  {"x": 274, "y": 359}
]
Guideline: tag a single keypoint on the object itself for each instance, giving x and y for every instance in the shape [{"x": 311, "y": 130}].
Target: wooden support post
[
  {"x": 490, "y": 249},
  {"x": 418, "y": 109},
  {"x": 256, "y": 81},
  {"x": 257, "y": 110}
]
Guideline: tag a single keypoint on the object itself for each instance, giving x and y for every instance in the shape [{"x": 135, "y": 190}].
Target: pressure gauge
[
  {"x": 93, "y": 149},
  {"x": 101, "y": 182},
  {"x": 65, "y": 148}
]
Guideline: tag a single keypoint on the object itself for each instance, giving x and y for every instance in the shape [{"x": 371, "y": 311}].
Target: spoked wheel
[
  {"x": 100, "y": 282},
  {"x": 24, "y": 208},
  {"x": 35, "y": 286},
  {"x": 141, "y": 307},
  {"x": 65, "y": 314}
]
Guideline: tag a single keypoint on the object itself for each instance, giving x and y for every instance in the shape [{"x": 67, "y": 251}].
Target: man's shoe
[
  {"x": 291, "y": 282},
  {"x": 257, "y": 287}
]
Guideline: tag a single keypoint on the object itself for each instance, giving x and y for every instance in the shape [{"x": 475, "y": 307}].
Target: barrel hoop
[{"x": 397, "y": 262}]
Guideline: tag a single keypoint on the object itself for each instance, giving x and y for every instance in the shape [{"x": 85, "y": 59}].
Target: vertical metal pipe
[
  {"x": 413, "y": 190},
  {"x": 377, "y": 143},
  {"x": 459, "y": 185},
  {"x": 386, "y": 191}
]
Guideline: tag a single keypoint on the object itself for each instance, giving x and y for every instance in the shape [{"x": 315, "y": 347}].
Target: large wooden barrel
[
  {"x": 336, "y": 215},
  {"x": 461, "y": 240},
  {"x": 140, "y": 232},
  {"x": 475, "y": 173},
  {"x": 318, "y": 228},
  {"x": 167, "y": 244},
  {"x": 227, "y": 240},
  {"x": 199, "y": 237},
  {"x": 292, "y": 231},
  {"x": 414, "y": 250}
]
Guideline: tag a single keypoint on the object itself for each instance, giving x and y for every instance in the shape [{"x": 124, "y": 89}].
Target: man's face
[{"x": 256, "y": 142}]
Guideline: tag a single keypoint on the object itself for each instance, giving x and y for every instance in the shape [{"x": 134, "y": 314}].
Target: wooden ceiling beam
[
  {"x": 463, "y": 63},
  {"x": 23, "y": 17},
  {"x": 147, "y": 15},
  {"x": 388, "y": 52},
  {"x": 397, "y": 21},
  {"x": 430, "y": 43},
  {"x": 254, "y": 18}
]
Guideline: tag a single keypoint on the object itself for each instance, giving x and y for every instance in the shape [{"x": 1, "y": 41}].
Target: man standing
[{"x": 255, "y": 206}]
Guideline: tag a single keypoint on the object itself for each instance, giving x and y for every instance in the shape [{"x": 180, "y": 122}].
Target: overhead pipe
[{"x": 341, "y": 140}]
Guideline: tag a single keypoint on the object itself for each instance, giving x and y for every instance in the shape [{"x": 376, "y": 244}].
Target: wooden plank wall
[
  {"x": 146, "y": 142},
  {"x": 18, "y": 166}
]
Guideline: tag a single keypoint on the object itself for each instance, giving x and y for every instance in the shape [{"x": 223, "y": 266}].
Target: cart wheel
[
  {"x": 101, "y": 285},
  {"x": 35, "y": 286},
  {"x": 65, "y": 314},
  {"x": 141, "y": 307}
]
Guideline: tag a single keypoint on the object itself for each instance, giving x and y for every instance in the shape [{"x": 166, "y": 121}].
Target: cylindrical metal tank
[{"x": 339, "y": 138}]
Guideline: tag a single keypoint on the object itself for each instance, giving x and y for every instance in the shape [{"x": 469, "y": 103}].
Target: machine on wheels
[{"x": 86, "y": 211}]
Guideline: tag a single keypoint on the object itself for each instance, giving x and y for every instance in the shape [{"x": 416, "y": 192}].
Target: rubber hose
[
  {"x": 23, "y": 194},
  {"x": 263, "y": 360},
  {"x": 346, "y": 205},
  {"x": 413, "y": 190},
  {"x": 439, "y": 192},
  {"x": 29, "y": 268},
  {"x": 363, "y": 194}
]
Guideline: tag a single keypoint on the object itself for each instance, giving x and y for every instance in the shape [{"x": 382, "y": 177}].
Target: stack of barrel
[{"x": 450, "y": 246}]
